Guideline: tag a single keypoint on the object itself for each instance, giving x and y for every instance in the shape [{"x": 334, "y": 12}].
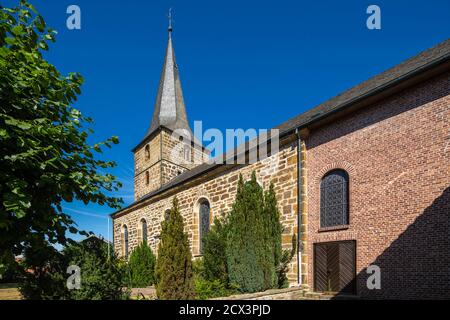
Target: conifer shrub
[
  {"x": 210, "y": 287},
  {"x": 214, "y": 252},
  {"x": 243, "y": 250},
  {"x": 249, "y": 247},
  {"x": 174, "y": 275},
  {"x": 142, "y": 266}
]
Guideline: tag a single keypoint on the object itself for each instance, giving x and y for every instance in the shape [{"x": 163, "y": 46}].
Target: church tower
[{"x": 169, "y": 147}]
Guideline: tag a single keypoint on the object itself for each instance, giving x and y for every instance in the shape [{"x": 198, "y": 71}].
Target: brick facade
[{"x": 399, "y": 168}]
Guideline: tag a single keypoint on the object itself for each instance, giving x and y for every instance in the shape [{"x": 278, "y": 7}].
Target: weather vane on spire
[{"x": 169, "y": 16}]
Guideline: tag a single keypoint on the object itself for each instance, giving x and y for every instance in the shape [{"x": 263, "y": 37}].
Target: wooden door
[{"x": 334, "y": 267}]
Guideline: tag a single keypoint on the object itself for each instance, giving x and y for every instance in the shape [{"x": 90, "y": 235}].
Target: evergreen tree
[
  {"x": 214, "y": 252},
  {"x": 246, "y": 241},
  {"x": 174, "y": 274},
  {"x": 273, "y": 231},
  {"x": 142, "y": 266}
]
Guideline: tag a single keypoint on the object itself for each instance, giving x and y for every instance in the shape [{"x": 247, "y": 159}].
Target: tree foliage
[
  {"x": 45, "y": 272},
  {"x": 273, "y": 230},
  {"x": 174, "y": 276},
  {"x": 45, "y": 158},
  {"x": 252, "y": 238},
  {"x": 214, "y": 252},
  {"x": 246, "y": 239},
  {"x": 102, "y": 274},
  {"x": 142, "y": 266},
  {"x": 44, "y": 276}
]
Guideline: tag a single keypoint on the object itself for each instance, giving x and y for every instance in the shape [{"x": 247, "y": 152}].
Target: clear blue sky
[{"x": 243, "y": 64}]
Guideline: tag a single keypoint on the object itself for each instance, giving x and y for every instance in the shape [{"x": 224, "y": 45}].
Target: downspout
[
  {"x": 302, "y": 208},
  {"x": 299, "y": 208}
]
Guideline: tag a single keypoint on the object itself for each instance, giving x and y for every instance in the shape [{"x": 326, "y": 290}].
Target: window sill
[{"x": 334, "y": 228}]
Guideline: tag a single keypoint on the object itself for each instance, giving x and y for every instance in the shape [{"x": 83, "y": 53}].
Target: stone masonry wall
[
  {"x": 142, "y": 163},
  {"x": 168, "y": 158},
  {"x": 220, "y": 191}
]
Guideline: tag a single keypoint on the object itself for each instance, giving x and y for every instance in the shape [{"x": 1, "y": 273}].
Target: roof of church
[
  {"x": 169, "y": 110},
  {"x": 396, "y": 75},
  {"x": 408, "y": 68}
]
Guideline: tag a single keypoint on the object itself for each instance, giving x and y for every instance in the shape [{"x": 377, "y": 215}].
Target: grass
[{"x": 9, "y": 291}]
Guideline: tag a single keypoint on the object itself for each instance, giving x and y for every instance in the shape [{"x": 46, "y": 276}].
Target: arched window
[
  {"x": 125, "y": 241},
  {"x": 144, "y": 230},
  {"x": 167, "y": 214},
  {"x": 147, "y": 178},
  {"x": 147, "y": 152},
  {"x": 204, "y": 212},
  {"x": 334, "y": 199},
  {"x": 187, "y": 152}
]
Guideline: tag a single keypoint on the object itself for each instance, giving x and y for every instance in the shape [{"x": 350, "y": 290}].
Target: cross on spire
[{"x": 169, "y": 17}]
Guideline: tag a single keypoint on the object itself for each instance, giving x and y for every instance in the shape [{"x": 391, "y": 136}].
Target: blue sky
[{"x": 243, "y": 64}]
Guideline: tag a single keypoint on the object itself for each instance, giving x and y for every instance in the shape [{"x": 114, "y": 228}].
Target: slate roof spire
[{"x": 169, "y": 110}]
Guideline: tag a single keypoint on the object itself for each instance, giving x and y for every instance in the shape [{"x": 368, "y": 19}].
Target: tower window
[
  {"x": 334, "y": 199},
  {"x": 187, "y": 152},
  {"x": 147, "y": 178},
  {"x": 167, "y": 214},
  {"x": 147, "y": 152}
]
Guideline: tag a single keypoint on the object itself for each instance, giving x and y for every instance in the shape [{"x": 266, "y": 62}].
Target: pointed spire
[{"x": 169, "y": 110}]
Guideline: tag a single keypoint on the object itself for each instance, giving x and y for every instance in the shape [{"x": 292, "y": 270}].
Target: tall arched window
[
  {"x": 144, "y": 230},
  {"x": 187, "y": 152},
  {"x": 125, "y": 241},
  {"x": 147, "y": 152},
  {"x": 167, "y": 214},
  {"x": 147, "y": 178},
  {"x": 204, "y": 212},
  {"x": 334, "y": 199}
]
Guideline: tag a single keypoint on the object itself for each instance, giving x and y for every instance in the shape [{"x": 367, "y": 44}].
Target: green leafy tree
[
  {"x": 174, "y": 276},
  {"x": 45, "y": 158},
  {"x": 44, "y": 276},
  {"x": 102, "y": 274},
  {"x": 142, "y": 266}
]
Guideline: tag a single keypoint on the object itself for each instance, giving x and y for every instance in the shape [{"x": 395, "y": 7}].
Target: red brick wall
[{"x": 397, "y": 154}]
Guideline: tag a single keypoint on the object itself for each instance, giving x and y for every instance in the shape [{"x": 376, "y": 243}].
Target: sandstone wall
[{"x": 220, "y": 191}]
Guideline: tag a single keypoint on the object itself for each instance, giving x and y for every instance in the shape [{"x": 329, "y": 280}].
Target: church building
[{"x": 362, "y": 181}]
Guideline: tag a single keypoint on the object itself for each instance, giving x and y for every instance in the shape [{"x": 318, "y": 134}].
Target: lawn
[{"x": 9, "y": 291}]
